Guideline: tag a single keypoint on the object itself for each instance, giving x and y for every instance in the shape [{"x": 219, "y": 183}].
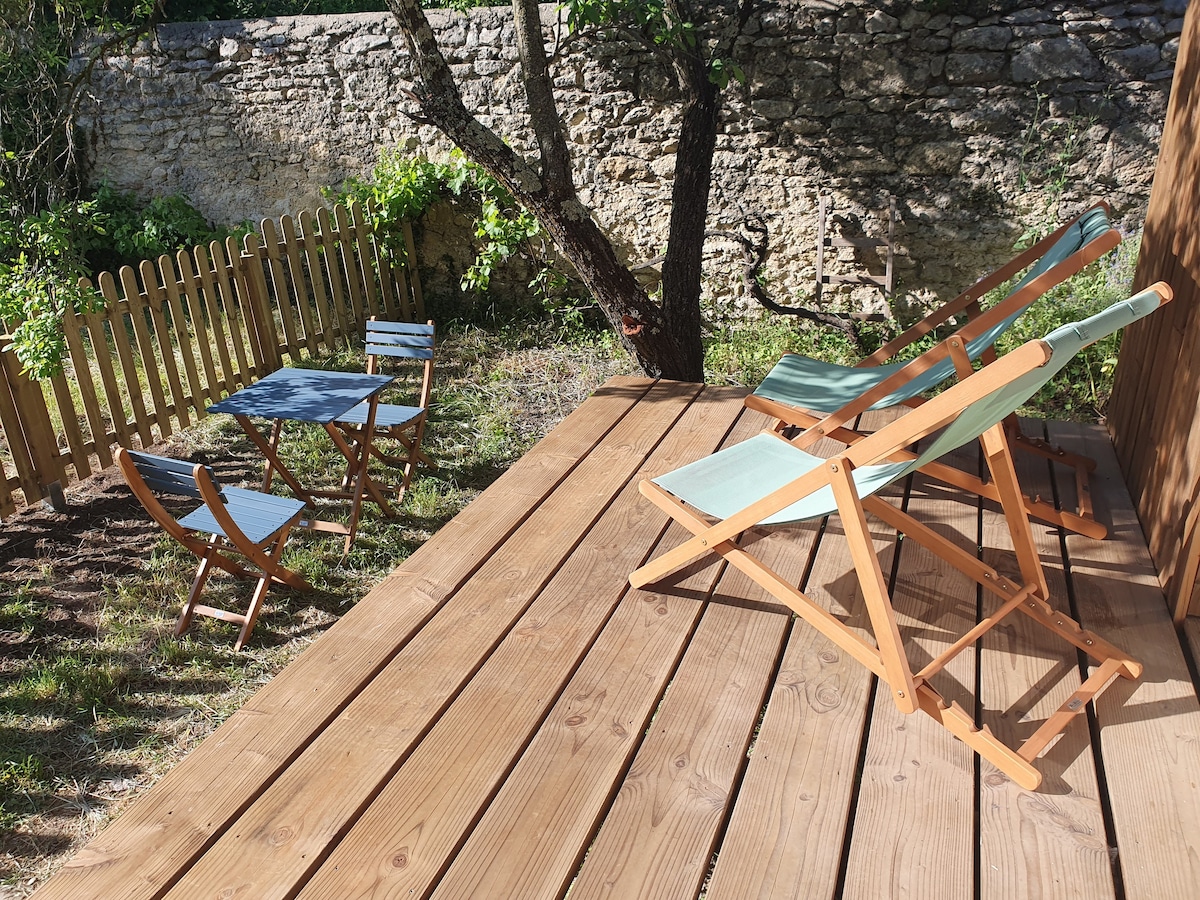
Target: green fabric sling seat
[
  {"x": 799, "y": 391},
  {"x": 819, "y": 386},
  {"x": 767, "y": 481}
]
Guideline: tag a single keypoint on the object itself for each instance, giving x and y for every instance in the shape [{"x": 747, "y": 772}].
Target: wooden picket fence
[{"x": 180, "y": 333}]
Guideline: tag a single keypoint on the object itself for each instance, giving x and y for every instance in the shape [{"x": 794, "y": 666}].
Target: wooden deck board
[
  {"x": 1149, "y": 729},
  {"x": 914, "y": 824},
  {"x": 788, "y": 827},
  {"x": 1026, "y": 675},
  {"x": 503, "y": 717}
]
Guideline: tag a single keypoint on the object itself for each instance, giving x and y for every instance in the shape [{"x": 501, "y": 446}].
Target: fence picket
[
  {"x": 196, "y": 312},
  {"x": 333, "y": 267},
  {"x": 298, "y": 287},
  {"x": 98, "y": 335},
  {"x": 183, "y": 339},
  {"x": 115, "y": 313},
  {"x": 78, "y": 457},
  {"x": 349, "y": 264},
  {"x": 81, "y": 365},
  {"x": 206, "y": 268},
  {"x": 254, "y": 278},
  {"x": 317, "y": 278},
  {"x": 137, "y": 316},
  {"x": 361, "y": 246},
  {"x": 232, "y": 310},
  {"x": 410, "y": 249},
  {"x": 154, "y": 297},
  {"x": 283, "y": 303},
  {"x": 14, "y": 431}
]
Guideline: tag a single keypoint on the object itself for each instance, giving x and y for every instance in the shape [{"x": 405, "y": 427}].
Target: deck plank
[
  {"x": 788, "y": 829},
  {"x": 1149, "y": 729},
  {"x": 658, "y": 837},
  {"x": 143, "y": 851},
  {"x": 598, "y": 721},
  {"x": 914, "y": 823},
  {"x": 1052, "y": 842},
  {"x": 436, "y": 796},
  {"x": 288, "y": 831}
]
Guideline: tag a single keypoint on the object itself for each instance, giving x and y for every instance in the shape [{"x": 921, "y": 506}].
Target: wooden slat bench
[{"x": 503, "y": 717}]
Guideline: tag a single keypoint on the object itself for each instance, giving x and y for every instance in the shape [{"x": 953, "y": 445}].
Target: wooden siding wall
[
  {"x": 1154, "y": 415},
  {"x": 181, "y": 332}
]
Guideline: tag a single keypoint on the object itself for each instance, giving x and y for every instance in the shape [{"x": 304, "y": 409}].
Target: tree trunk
[
  {"x": 661, "y": 344},
  {"x": 684, "y": 262}
]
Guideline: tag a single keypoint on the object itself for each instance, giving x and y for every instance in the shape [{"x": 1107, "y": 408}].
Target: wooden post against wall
[{"x": 1154, "y": 415}]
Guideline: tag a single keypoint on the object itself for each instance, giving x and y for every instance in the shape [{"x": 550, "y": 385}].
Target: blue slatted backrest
[
  {"x": 399, "y": 339},
  {"x": 164, "y": 475}
]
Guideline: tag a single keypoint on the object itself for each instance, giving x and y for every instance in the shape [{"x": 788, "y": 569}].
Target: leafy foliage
[
  {"x": 134, "y": 230},
  {"x": 653, "y": 23},
  {"x": 44, "y": 255},
  {"x": 401, "y": 188},
  {"x": 41, "y": 262}
]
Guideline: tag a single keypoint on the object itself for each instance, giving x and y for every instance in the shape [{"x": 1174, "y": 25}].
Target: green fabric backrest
[{"x": 1065, "y": 342}]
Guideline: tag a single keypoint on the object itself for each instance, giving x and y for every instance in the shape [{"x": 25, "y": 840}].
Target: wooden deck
[{"x": 504, "y": 718}]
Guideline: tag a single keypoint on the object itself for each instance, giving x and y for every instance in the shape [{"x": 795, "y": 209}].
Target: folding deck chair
[
  {"x": 767, "y": 480},
  {"x": 801, "y": 392},
  {"x": 249, "y": 523},
  {"x": 404, "y": 424}
]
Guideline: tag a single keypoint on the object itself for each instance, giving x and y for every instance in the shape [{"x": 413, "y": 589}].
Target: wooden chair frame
[
  {"x": 789, "y": 418},
  {"x": 911, "y": 690},
  {"x": 399, "y": 340},
  {"x": 213, "y": 551}
]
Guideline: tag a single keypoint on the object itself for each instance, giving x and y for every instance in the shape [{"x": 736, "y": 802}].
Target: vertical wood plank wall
[
  {"x": 179, "y": 333},
  {"x": 1154, "y": 415}
]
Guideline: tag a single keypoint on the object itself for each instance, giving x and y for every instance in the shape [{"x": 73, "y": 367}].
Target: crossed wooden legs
[
  {"x": 887, "y": 658},
  {"x": 211, "y": 557}
]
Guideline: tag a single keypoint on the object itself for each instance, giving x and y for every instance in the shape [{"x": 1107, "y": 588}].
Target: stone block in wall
[
  {"x": 1056, "y": 59},
  {"x": 869, "y": 72},
  {"x": 975, "y": 68}
]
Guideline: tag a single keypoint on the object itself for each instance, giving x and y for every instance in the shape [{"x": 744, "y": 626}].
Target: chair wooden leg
[
  {"x": 256, "y": 602},
  {"x": 955, "y": 719},
  {"x": 260, "y": 590},
  {"x": 870, "y": 579},
  {"x": 193, "y": 598}
]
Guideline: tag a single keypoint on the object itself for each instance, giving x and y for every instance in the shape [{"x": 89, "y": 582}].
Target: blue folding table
[{"x": 312, "y": 395}]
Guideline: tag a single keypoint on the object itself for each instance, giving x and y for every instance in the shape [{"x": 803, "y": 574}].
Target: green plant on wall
[
  {"x": 401, "y": 188},
  {"x": 1050, "y": 149}
]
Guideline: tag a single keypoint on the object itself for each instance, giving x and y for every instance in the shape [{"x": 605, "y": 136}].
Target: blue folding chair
[
  {"x": 403, "y": 424},
  {"x": 250, "y": 523}
]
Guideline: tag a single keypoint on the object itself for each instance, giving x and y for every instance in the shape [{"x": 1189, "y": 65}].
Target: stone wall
[{"x": 981, "y": 121}]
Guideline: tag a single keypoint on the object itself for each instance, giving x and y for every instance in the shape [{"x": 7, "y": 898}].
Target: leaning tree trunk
[{"x": 549, "y": 193}]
